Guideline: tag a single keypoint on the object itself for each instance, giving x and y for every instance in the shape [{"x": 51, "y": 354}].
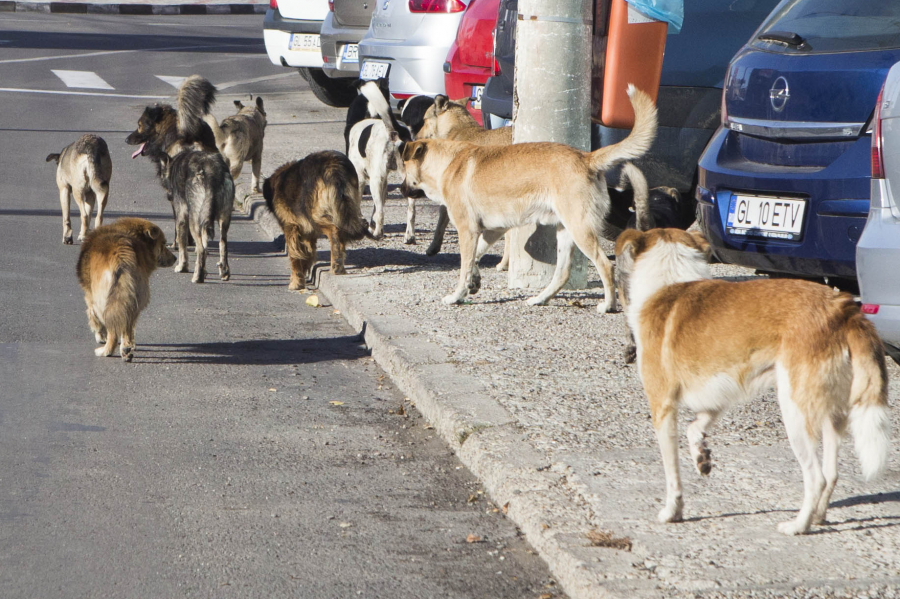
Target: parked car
[
  {"x": 471, "y": 56},
  {"x": 345, "y": 25},
  {"x": 878, "y": 250},
  {"x": 784, "y": 185},
  {"x": 291, "y": 32},
  {"x": 690, "y": 92},
  {"x": 407, "y": 42}
]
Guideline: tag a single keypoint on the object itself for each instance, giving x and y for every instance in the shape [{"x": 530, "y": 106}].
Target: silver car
[
  {"x": 345, "y": 24},
  {"x": 878, "y": 250},
  {"x": 408, "y": 42}
]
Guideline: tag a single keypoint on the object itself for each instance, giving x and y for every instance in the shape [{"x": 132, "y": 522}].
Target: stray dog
[
  {"x": 446, "y": 119},
  {"x": 162, "y": 128},
  {"x": 114, "y": 270},
  {"x": 412, "y": 112},
  {"x": 490, "y": 189},
  {"x": 311, "y": 197},
  {"x": 372, "y": 102},
  {"x": 713, "y": 343},
  {"x": 202, "y": 192},
  {"x": 83, "y": 169},
  {"x": 240, "y": 138}
]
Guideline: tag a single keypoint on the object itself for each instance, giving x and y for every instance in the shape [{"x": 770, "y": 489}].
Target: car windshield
[{"x": 831, "y": 26}]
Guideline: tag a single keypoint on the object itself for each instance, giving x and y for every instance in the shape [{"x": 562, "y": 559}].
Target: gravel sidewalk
[
  {"x": 138, "y": 7},
  {"x": 539, "y": 403}
]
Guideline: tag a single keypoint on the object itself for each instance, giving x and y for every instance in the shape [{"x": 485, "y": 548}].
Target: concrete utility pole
[{"x": 551, "y": 102}]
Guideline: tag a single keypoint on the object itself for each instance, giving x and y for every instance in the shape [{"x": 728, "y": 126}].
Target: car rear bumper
[
  {"x": 462, "y": 78},
  {"x": 277, "y": 36},
  {"x": 835, "y": 215},
  {"x": 415, "y": 69},
  {"x": 334, "y": 37}
]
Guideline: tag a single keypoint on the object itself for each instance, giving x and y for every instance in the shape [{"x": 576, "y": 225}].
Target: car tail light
[
  {"x": 877, "y": 142},
  {"x": 495, "y": 68},
  {"x": 870, "y": 308},
  {"x": 273, "y": 4},
  {"x": 331, "y": 5},
  {"x": 436, "y": 6}
]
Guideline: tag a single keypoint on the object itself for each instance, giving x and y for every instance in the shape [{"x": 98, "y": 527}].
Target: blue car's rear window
[{"x": 805, "y": 26}]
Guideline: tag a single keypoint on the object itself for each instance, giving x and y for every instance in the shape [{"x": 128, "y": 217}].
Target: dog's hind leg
[
  {"x": 112, "y": 340},
  {"x": 831, "y": 442},
  {"x": 696, "y": 434},
  {"x": 201, "y": 238},
  {"x": 468, "y": 246},
  {"x": 181, "y": 240},
  {"x": 97, "y": 327},
  {"x": 296, "y": 254},
  {"x": 588, "y": 243},
  {"x": 337, "y": 253},
  {"x": 256, "y": 167},
  {"x": 665, "y": 421},
  {"x": 85, "y": 208},
  {"x": 66, "y": 215},
  {"x": 224, "y": 225},
  {"x": 127, "y": 348},
  {"x": 565, "y": 249},
  {"x": 410, "y": 237},
  {"x": 485, "y": 241},
  {"x": 795, "y": 421},
  {"x": 503, "y": 266},
  {"x": 378, "y": 186},
  {"x": 101, "y": 192},
  {"x": 438, "y": 240}
]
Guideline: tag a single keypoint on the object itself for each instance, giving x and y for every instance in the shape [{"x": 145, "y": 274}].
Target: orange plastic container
[{"x": 623, "y": 53}]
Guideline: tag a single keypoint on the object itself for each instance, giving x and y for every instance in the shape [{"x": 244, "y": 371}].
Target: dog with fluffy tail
[{"x": 710, "y": 344}]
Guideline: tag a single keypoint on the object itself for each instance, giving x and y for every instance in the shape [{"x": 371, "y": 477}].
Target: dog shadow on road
[{"x": 255, "y": 351}]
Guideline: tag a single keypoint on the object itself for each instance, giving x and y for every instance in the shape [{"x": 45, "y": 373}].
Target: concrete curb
[
  {"x": 132, "y": 9},
  {"x": 255, "y": 207},
  {"x": 537, "y": 496}
]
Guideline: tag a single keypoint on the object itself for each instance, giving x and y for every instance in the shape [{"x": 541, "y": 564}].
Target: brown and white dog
[
  {"x": 491, "y": 189},
  {"x": 114, "y": 270},
  {"x": 83, "y": 170},
  {"x": 711, "y": 343},
  {"x": 240, "y": 138}
]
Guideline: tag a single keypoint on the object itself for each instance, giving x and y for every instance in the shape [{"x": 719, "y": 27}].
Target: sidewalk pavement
[
  {"x": 138, "y": 7},
  {"x": 539, "y": 404}
]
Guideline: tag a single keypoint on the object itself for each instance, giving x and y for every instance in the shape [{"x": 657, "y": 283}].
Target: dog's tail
[
  {"x": 869, "y": 418},
  {"x": 269, "y": 194},
  {"x": 638, "y": 141},
  {"x": 377, "y": 103},
  {"x": 115, "y": 296},
  {"x": 54, "y": 157},
  {"x": 100, "y": 152},
  {"x": 217, "y": 131},
  {"x": 195, "y": 97},
  {"x": 640, "y": 193}
]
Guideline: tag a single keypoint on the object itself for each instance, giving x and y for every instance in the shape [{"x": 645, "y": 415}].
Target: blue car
[{"x": 783, "y": 185}]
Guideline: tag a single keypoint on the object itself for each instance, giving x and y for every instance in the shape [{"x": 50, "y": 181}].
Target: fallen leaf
[
  {"x": 473, "y": 538},
  {"x": 601, "y": 538},
  {"x": 545, "y": 526},
  {"x": 337, "y": 312},
  {"x": 546, "y": 596},
  {"x": 505, "y": 508},
  {"x": 401, "y": 411},
  {"x": 272, "y": 389},
  {"x": 576, "y": 303},
  {"x": 472, "y": 498},
  {"x": 345, "y": 525},
  {"x": 336, "y": 403},
  {"x": 313, "y": 301}
]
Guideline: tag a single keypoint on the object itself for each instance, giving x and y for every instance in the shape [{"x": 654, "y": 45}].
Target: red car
[{"x": 469, "y": 62}]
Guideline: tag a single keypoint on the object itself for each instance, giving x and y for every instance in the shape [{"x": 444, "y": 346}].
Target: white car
[
  {"x": 291, "y": 30},
  {"x": 878, "y": 250}
]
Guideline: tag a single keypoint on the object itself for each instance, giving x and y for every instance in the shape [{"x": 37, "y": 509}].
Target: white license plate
[
  {"x": 373, "y": 70},
  {"x": 304, "y": 42},
  {"x": 350, "y": 53},
  {"x": 759, "y": 216},
  {"x": 477, "y": 91}
]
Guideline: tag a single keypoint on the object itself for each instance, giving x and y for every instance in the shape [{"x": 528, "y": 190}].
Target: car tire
[{"x": 333, "y": 92}]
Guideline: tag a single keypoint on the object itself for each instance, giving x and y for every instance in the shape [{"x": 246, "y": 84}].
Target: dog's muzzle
[{"x": 411, "y": 192}]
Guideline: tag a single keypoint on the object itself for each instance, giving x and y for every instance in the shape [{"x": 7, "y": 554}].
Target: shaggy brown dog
[
  {"x": 311, "y": 197},
  {"x": 114, "y": 271},
  {"x": 83, "y": 169}
]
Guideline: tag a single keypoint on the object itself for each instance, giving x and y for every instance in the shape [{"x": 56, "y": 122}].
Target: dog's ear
[
  {"x": 395, "y": 137},
  {"x": 702, "y": 243},
  {"x": 259, "y": 104},
  {"x": 400, "y": 105},
  {"x": 626, "y": 245},
  {"x": 461, "y": 102},
  {"x": 238, "y": 104},
  {"x": 153, "y": 232},
  {"x": 53, "y": 157},
  {"x": 414, "y": 150},
  {"x": 441, "y": 104}
]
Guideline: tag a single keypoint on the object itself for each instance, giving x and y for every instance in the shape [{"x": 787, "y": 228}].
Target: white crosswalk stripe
[
  {"x": 82, "y": 79},
  {"x": 173, "y": 81}
]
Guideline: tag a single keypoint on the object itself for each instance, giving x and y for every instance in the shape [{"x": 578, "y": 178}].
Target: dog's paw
[
  {"x": 296, "y": 286},
  {"x": 503, "y": 267},
  {"x": 432, "y": 250},
  {"x": 536, "y": 301},
  {"x": 670, "y": 513},
  {"x": 101, "y": 352},
  {"x": 452, "y": 299},
  {"x": 376, "y": 234},
  {"x": 792, "y": 527},
  {"x": 100, "y": 338},
  {"x": 68, "y": 240},
  {"x": 199, "y": 277},
  {"x": 474, "y": 283},
  {"x": 607, "y": 306},
  {"x": 338, "y": 270},
  {"x": 224, "y": 272},
  {"x": 181, "y": 267},
  {"x": 127, "y": 354},
  {"x": 630, "y": 354},
  {"x": 410, "y": 240},
  {"x": 704, "y": 461}
]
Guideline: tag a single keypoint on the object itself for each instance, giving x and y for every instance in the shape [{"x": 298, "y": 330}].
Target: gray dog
[
  {"x": 240, "y": 138},
  {"x": 83, "y": 169},
  {"x": 202, "y": 192}
]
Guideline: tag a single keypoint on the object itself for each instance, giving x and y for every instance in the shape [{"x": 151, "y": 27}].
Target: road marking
[
  {"x": 256, "y": 80},
  {"x": 108, "y": 52},
  {"x": 15, "y": 90},
  {"x": 82, "y": 79},
  {"x": 173, "y": 81}
]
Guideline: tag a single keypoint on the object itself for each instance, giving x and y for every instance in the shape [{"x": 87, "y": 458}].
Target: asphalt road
[{"x": 252, "y": 449}]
